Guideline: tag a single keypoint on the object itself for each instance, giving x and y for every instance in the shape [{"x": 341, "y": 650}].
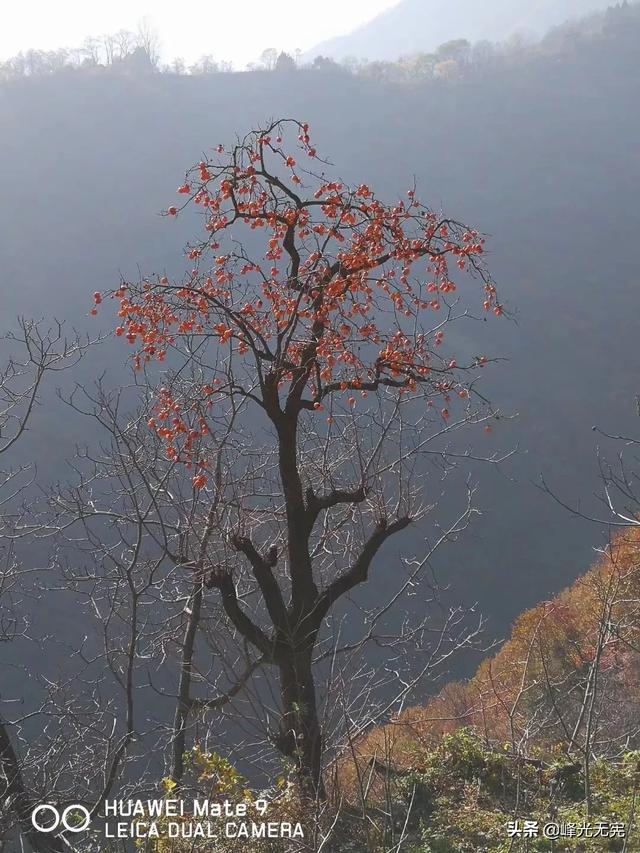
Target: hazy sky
[{"x": 236, "y": 30}]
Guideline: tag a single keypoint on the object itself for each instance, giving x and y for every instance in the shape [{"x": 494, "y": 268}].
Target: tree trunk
[
  {"x": 184, "y": 704},
  {"x": 300, "y": 736}
]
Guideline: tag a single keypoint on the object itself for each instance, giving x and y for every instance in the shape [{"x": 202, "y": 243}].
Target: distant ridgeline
[
  {"x": 548, "y": 725},
  {"x": 409, "y": 27},
  {"x": 136, "y": 54}
]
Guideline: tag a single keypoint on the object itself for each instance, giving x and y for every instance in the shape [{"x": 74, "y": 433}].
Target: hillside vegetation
[{"x": 547, "y": 728}]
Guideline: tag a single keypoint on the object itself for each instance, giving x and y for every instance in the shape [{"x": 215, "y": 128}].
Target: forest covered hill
[
  {"x": 419, "y": 26},
  {"x": 547, "y": 728}
]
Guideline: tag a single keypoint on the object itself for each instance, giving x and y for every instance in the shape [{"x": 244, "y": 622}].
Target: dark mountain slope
[{"x": 543, "y": 157}]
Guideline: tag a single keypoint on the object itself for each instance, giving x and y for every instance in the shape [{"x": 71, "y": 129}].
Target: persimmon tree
[{"x": 311, "y": 330}]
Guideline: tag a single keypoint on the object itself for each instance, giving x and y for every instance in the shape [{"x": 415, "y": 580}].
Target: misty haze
[{"x": 338, "y": 504}]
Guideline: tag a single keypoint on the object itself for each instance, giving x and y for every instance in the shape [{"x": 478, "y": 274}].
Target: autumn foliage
[
  {"x": 528, "y": 698},
  {"x": 346, "y": 295}
]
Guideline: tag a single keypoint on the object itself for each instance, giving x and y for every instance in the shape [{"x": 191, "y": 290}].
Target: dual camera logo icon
[{"x": 47, "y": 818}]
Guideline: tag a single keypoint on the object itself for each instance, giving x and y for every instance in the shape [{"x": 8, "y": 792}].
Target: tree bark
[
  {"x": 300, "y": 736},
  {"x": 183, "y": 706}
]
